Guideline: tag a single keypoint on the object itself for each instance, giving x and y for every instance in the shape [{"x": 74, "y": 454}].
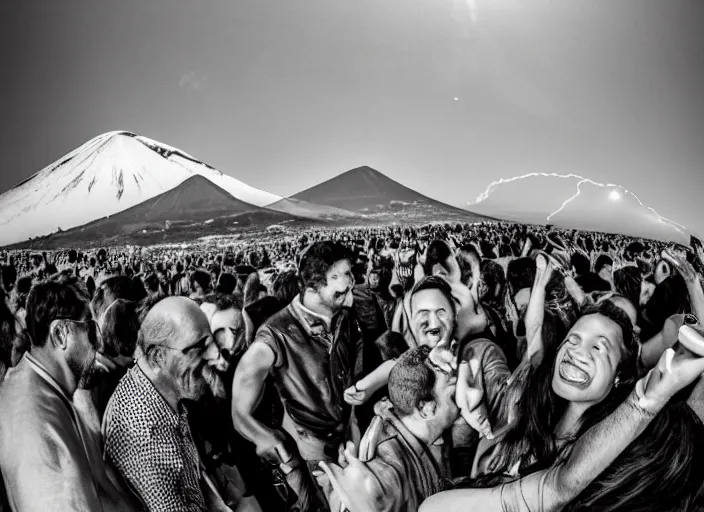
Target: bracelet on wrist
[{"x": 649, "y": 405}]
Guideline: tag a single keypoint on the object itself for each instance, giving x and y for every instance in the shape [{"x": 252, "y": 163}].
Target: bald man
[{"x": 145, "y": 428}]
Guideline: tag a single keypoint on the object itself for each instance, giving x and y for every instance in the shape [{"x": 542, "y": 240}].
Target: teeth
[{"x": 571, "y": 373}]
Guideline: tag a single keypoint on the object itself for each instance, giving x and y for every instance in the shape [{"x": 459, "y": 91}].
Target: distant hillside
[
  {"x": 195, "y": 208},
  {"x": 367, "y": 191}
]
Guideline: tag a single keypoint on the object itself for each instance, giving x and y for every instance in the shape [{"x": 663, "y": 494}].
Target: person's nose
[
  {"x": 433, "y": 321},
  {"x": 212, "y": 352},
  {"x": 580, "y": 352}
]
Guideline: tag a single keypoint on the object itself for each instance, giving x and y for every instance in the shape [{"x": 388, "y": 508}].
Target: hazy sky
[{"x": 442, "y": 95}]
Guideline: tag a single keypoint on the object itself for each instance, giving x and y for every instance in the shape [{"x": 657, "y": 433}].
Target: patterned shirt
[{"x": 152, "y": 447}]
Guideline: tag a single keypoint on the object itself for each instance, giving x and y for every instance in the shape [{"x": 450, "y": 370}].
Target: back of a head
[
  {"x": 580, "y": 263},
  {"x": 669, "y": 297},
  {"x": 49, "y": 301},
  {"x": 438, "y": 253},
  {"x": 224, "y": 301},
  {"x": 628, "y": 282},
  {"x": 520, "y": 273},
  {"x": 9, "y": 277},
  {"x": 411, "y": 381},
  {"x": 285, "y": 287},
  {"x": 227, "y": 283},
  {"x": 317, "y": 260},
  {"x": 120, "y": 329},
  {"x": 464, "y": 260},
  {"x": 202, "y": 279},
  {"x": 492, "y": 274},
  {"x": 603, "y": 261}
]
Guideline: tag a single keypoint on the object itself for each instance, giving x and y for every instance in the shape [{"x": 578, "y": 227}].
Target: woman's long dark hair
[
  {"x": 531, "y": 437},
  {"x": 661, "y": 470}
]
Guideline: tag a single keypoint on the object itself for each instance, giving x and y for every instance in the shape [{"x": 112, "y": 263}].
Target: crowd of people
[{"x": 437, "y": 368}]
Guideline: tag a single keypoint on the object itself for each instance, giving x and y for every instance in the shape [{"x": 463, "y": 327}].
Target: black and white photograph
[{"x": 352, "y": 256}]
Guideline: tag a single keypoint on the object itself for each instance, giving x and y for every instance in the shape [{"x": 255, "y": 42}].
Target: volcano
[
  {"x": 108, "y": 174},
  {"x": 194, "y": 208},
  {"x": 368, "y": 192}
]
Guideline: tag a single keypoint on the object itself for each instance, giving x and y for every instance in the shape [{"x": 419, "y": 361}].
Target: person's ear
[
  {"x": 427, "y": 409},
  {"x": 156, "y": 357}
]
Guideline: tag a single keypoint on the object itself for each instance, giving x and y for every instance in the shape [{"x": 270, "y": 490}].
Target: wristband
[{"x": 649, "y": 405}]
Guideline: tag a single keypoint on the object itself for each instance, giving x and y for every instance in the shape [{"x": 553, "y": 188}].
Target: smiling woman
[{"x": 564, "y": 395}]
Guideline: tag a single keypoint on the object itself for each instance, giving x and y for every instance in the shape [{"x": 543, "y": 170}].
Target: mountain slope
[
  {"x": 106, "y": 175},
  {"x": 193, "y": 209},
  {"x": 367, "y": 191},
  {"x": 310, "y": 210}
]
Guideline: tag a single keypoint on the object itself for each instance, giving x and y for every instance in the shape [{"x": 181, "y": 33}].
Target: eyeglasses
[
  {"x": 198, "y": 347},
  {"x": 95, "y": 335}
]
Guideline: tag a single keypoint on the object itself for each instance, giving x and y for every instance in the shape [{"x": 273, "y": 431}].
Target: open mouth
[
  {"x": 572, "y": 373},
  {"x": 433, "y": 334}
]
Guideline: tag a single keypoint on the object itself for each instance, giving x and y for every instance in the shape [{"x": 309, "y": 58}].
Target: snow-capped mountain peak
[{"x": 108, "y": 174}]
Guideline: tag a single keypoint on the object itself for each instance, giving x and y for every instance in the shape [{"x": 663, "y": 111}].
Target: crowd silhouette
[{"x": 471, "y": 367}]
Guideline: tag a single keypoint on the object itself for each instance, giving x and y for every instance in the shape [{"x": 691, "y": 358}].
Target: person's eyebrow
[{"x": 608, "y": 340}]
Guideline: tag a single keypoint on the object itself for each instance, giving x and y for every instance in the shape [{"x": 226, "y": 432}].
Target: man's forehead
[
  {"x": 226, "y": 318},
  {"x": 430, "y": 298},
  {"x": 339, "y": 266}
]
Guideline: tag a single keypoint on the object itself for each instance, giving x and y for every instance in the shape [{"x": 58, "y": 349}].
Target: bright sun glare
[{"x": 614, "y": 195}]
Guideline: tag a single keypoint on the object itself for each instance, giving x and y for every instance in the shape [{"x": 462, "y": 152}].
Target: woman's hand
[
  {"x": 469, "y": 397},
  {"x": 674, "y": 372}
]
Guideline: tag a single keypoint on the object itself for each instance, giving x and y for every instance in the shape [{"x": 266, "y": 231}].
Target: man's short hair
[
  {"x": 435, "y": 283},
  {"x": 411, "y": 381},
  {"x": 223, "y": 302},
  {"x": 227, "y": 283},
  {"x": 49, "y": 301},
  {"x": 202, "y": 278},
  {"x": 318, "y": 260}
]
